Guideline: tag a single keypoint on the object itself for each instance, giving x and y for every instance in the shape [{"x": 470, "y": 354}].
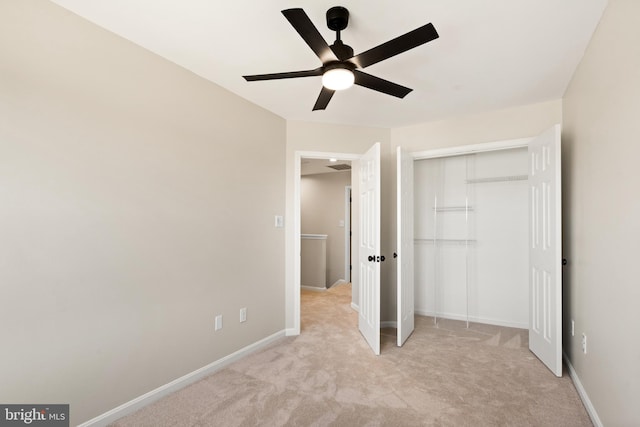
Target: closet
[
  {"x": 479, "y": 238},
  {"x": 471, "y": 222}
]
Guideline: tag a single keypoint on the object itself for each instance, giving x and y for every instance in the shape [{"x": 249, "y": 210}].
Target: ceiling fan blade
[
  {"x": 289, "y": 75},
  {"x": 323, "y": 99},
  {"x": 407, "y": 41},
  {"x": 309, "y": 33},
  {"x": 380, "y": 85}
]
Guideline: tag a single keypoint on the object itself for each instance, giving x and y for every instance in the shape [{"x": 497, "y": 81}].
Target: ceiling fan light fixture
[{"x": 338, "y": 78}]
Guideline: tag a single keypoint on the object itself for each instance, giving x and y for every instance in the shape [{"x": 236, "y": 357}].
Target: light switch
[
  {"x": 341, "y": 223},
  {"x": 279, "y": 221}
]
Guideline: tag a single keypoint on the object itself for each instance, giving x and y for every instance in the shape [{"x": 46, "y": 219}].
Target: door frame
[
  {"x": 347, "y": 233},
  {"x": 297, "y": 220},
  {"x": 470, "y": 149},
  {"x": 460, "y": 151}
]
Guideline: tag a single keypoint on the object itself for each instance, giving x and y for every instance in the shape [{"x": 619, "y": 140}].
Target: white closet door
[
  {"x": 545, "y": 249},
  {"x": 369, "y": 256},
  {"x": 405, "y": 246}
]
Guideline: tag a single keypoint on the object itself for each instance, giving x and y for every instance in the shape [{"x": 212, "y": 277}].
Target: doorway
[
  {"x": 296, "y": 228},
  {"x": 366, "y": 207},
  {"x": 325, "y": 210}
]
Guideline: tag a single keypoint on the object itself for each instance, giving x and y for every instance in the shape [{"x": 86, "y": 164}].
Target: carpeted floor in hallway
[{"x": 443, "y": 376}]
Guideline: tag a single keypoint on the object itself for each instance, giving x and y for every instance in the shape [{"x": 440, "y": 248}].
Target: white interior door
[
  {"x": 405, "y": 246},
  {"x": 369, "y": 254},
  {"x": 545, "y": 250}
]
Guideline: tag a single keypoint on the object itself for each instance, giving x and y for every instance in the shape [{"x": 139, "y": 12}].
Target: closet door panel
[
  {"x": 405, "y": 250},
  {"x": 545, "y": 249}
]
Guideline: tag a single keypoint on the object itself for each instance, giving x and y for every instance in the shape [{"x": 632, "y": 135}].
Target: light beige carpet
[{"x": 443, "y": 376}]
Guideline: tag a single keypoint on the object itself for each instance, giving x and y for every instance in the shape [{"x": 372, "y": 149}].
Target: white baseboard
[
  {"x": 313, "y": 288},
  {"x": 339, "y": 282},
  {"x": 355, "y": 306},
  {"x": 583, "y": 393},
  {"x": 162, "y": 391},
  {"x": 389, "y": 324},
  {"x": 485, "y": 320}
]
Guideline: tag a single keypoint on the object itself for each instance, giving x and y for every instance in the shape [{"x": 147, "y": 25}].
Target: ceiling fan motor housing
[
  {"x": 337, "y": 18},
  {"x": 342, "y": 51}
]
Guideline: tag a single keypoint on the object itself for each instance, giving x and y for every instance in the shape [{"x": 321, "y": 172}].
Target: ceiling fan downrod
[{"x": 338, "y": 20}]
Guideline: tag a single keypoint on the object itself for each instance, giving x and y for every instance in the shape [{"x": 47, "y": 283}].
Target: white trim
[
  {"x": 177, "y": 384},
  {"x": 591, "y": 410},
  {"x": 290, "y": 332},
  {"x": 297, "y": 175},
  {"x": 347, "y": 236},
  {"x": 474, "y": 148},
  {"x": 355, "y": 306},
  {"x": 297, "y": 167},
  {"x": 339, "y": 282},
  {"x": 314, "y": 236},
  {"x": 313, "y": 288},
  {"x": 389, "y": 324},
  {"x": 475, "y": 319}
]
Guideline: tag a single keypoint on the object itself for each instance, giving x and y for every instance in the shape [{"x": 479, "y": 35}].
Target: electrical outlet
[
  {"x": 573, "y": 328},
  {"x": 584, "y": 343},
  {"x": 243, "y": 314},
  {"x": 218, "y": 322}
]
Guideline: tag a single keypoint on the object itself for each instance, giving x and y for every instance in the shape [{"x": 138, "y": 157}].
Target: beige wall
[
  {"x": 137, "y": 201},
  {"x": 601, "y": 138},
  {"x": 322, "y": 209},
  {"x": 326, "y": 138},
  {"x": 513, "y": 123}
]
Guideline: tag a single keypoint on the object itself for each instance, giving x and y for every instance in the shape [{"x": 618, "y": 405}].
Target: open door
[
  {"x": 369, "y": 254},
  {"x": 545, "y": 249},
  {"x": 405, "y": 246}
]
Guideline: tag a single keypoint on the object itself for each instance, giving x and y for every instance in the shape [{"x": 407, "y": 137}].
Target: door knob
[{"x": 371, "y": 258}]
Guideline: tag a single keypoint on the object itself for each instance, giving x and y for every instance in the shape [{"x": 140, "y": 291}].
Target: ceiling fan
[{"x": 340, "y": 68}]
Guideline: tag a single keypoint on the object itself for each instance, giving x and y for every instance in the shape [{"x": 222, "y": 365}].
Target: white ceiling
[{"x": 491, "y": 54}]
